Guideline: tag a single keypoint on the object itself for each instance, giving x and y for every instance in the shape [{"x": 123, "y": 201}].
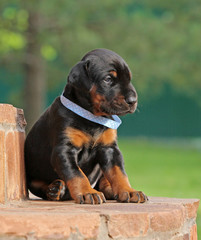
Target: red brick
[
  {"x": 15, "y": 172},
  {"x": 12, "y": 186},
  {"x": 167, "y": 220},
  {"x": 191, "y": 205},
  {"x": 8, "y": 114},
  {"x": 186, "y": 237},
  {"x": 181, "y": 237},
  {"x": 12, "y": 153},
  {"x": 20, "y": 171},
  {"x": 128, "y": 225},
  {"x": 193, "y": 232},
  {"x": 2, "y": 167},
  {"x": 191, "y": 209},
  {"x": 47, "y": 224},
  {"x": 21, "y": 122}
]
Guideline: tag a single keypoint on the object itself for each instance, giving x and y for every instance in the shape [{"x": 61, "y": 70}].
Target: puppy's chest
[{"x": 80, "y": 138}]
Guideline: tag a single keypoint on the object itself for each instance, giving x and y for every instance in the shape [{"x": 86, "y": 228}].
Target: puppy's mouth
[
  {"x": 118, "y": 110},
  {"x": 117, "y": 106},
  {"x": 112, "y": 108}
]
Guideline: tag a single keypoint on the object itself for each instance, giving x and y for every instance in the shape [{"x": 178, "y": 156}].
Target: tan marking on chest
[
  {"x": 77, "y": 137},
  {"x": 107, "y": 137}
]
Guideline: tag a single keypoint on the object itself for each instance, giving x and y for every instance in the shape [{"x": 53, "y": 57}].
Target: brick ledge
[
  {"x": 11, "y": 118},
  {"x": 160, "y": 218}
]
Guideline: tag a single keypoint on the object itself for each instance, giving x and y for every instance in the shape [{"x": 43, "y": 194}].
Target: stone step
[{"x": 159, "y": 219}]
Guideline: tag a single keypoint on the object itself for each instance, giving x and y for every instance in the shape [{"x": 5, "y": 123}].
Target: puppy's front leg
[
  {"x": 112, "y": 164},
  {"x": 64, "y": 161}
]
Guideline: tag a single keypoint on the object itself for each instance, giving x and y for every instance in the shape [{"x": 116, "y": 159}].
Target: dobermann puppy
[{"x": 68, "y": 156}]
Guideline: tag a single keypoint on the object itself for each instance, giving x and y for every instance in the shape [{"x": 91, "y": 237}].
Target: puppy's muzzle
[{"x": 131, "y": 100}]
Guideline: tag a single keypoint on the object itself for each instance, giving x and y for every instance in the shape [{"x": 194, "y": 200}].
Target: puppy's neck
[{"x": 79, "y": 96}]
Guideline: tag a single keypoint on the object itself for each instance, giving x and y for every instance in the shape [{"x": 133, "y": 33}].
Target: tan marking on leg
[
  {"x": 106, "y": 188},
  {"x": 82, "y": 192},
  {"x": 79, "y": 186},
  {"x": 121, "y": 187},
  {"x": 118, "y": 180}
]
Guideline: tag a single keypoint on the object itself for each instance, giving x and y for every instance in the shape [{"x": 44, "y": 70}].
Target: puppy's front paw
[
  {"x": 132, "y": 196},
  {"x": 138, "y": 197},
  {"x": 82, "y": 192},
  {"x": 93, "y": 197}
]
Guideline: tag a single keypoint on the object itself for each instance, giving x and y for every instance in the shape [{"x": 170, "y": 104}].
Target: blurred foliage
[{"x": 160, "y": 40}]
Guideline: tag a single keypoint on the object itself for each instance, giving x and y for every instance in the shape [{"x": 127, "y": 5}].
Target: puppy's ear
[
  {"x": 79, "y": 75},
  {"x": 86, "y": 65}
]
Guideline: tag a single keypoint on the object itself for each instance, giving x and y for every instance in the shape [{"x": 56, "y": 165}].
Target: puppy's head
[{"x": 105, "y": 78}]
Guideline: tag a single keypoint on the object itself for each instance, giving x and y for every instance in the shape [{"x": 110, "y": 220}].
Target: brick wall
[{"x": 12, "y": 136}]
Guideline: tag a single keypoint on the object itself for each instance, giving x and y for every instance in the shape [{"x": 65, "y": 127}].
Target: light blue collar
[{"x": 114, "y": 124}]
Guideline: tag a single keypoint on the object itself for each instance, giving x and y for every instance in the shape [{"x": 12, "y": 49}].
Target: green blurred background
[{"x": 161, "y": 42}]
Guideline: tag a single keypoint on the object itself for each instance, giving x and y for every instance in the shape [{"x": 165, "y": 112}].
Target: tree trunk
[{"x": 35, "y": 79}]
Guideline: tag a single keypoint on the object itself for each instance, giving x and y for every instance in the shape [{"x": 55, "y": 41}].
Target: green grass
[{"x": 165, "y": 169}]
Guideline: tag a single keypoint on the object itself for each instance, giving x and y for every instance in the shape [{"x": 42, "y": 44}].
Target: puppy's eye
[{"x": 108, "y": 79}]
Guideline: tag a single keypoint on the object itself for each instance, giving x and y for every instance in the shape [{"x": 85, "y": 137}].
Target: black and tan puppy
[{"x": 70, "y": 157}]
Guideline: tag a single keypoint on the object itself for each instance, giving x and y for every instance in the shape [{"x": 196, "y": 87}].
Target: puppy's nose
[{"x": 131, "y": 100}]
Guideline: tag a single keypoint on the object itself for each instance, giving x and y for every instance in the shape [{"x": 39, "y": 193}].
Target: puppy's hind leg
[{"x": 54, "y": 191}]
